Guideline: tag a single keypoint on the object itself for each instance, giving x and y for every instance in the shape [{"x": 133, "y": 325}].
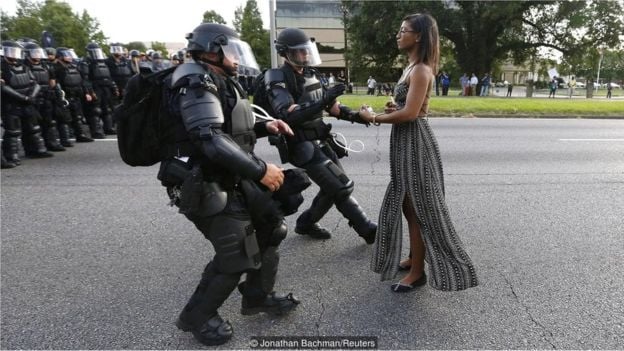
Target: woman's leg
[{"x": 417, "y": 246}]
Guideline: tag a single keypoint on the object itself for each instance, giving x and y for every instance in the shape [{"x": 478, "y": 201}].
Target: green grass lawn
[{"x": 499, "y": 106}]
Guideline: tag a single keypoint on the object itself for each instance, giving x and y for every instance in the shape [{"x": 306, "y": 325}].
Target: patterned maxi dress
[{"x": 416, "y": 172}]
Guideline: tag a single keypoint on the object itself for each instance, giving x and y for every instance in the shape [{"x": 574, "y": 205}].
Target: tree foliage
[
  {"x": 484, "y": 32},
  {"x": 68, "y": 29},
  {"x": 213, "y": 17},
  {"x": 248, "y": 23}
]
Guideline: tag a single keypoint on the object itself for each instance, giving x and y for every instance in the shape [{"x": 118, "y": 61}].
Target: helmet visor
[
  {"x": 71, "y": 53},
  {"x": 97, "y": 54},
  {"x": 37, "y": 54},
  {"x": 116, "y": 49},
  {"x": 240, "y": 52},
  {"x": 305, "y": 54},
  {"x": 12, "y": 52}
]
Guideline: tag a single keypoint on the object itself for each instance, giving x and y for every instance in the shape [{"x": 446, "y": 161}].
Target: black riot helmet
[
  {"x": 297, "y": 48},
  {"x": 34, "y": 52},
  {"x": 66, "y": 54},
  {"x": 116, "y": 49},
  {"x": 134, "y": 53},
  {"x": 94, "y": 52},
  {"x": 12, "y": 51},
  {"x": 50, "y": 51},
  {"x": 222, "y": 40}
]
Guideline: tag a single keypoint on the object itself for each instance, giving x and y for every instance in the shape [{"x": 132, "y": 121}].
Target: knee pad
[
  {"x": 96, "y": 112},
  {"x": 278, "y": 234},
  {"x": 235, "y": 244}
]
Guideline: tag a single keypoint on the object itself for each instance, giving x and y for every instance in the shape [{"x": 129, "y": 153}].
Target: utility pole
[
  {"x": 344, "y": 54},
  {"x": 272, "y": 33}
]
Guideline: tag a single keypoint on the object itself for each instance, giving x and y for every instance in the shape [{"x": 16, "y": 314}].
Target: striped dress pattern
[{"x": 416, "y": 172}]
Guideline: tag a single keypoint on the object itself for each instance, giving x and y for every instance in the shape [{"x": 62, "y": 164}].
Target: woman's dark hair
[{"x": 429, "y": 50}]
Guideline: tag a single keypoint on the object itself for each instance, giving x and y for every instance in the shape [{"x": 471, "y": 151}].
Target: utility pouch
[
  {"x": 337, "y": 145},
  {"x": 191, "y": 192},
  {"x": 279, "y": 141},
  {"x": 173, "y": 172},
  {"x": 315, "y": 130}
]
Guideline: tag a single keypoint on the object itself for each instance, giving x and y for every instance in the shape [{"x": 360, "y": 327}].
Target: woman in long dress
[{"x": 417, "y": 182}]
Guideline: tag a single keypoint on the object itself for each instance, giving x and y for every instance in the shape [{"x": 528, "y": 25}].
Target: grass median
[{"x": 457, "y": 106}]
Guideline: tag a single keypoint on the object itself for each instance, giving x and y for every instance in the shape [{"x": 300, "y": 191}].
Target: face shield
[
  {"x": 37, "y": 54},
  {"x": 305, "y": 54},
  {"x": 12, "y": 52},
  {"x": 97, "y": 54},
  {"x": 240, "y": 52},
  {"x": 116, "y": 49}
]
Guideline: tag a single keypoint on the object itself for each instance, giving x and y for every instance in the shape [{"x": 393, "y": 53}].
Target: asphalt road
[{"x": 93, "y": 258}]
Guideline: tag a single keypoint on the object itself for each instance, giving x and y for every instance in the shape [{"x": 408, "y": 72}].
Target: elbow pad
[{"x": 221, "y": 149}]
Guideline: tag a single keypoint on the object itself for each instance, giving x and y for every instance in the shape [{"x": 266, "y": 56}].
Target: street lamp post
[
  {"x": 600, "y": 51},
  {"x": 345, "y": 11}
]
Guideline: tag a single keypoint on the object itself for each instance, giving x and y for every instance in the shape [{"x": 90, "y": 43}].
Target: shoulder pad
[
  {"x": 186, "y": 69},
  {"x": 273, "y": 76}
]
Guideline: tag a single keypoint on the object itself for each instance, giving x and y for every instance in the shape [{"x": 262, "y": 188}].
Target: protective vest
[
  {"x": 120, "y": 71},
  {"x": 70, "y": 79},
  {"x": 312, "y": 91},
  {"x": 242, "y": 123},
  {"x": 19, "y": 78},
  {"x": 99, "y": 74},
  {"x": 42, "y": 75}
]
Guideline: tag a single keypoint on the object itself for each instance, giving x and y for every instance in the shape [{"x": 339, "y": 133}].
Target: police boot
[
  {"x": 351, "y": 210},
  {"x": 307, "y": 222},
  {"x": 63, "y": 130},
  {"x": 6, "y": 164},
  {"x": 255, "y": 301},
  {"x": 109, "y": 129},
  {"x": 257, "y": 289},
  {"x": 10, "y": 148},
  {"x": 200, "y": 316},
  {"x": 52, "y": 139},
  {"x": 80, "y": 135},
  {"x": 34, "y": 146},
  {"x": 95, "y": 126}
]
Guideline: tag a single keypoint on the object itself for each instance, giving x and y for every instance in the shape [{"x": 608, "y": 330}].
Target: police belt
[{"x": 316, "y": 131}]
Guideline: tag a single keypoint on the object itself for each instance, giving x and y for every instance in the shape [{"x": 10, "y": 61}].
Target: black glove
[
  {"x": 351, "y": 116},
  {"x": 332, "y": 93}
]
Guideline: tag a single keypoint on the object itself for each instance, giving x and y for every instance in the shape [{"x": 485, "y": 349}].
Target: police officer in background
[
  {"x": 44, "y": 103},
  {"x": 19, "y": 115},
  {"x": 299, "y": 98},
  {"x": 119, "y": 67},
  {"x": 103, "y": 87},
  {"x": 76, "y": 90},
  {"x": 227, "y": 189}
]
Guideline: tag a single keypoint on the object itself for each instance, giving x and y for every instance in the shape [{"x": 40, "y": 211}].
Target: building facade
[{"x": 321, "y": 20}]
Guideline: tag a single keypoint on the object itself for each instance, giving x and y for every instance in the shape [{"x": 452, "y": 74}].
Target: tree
[
  {"x": 484, "y": 32},
  {"x": 248, "y": 23},
  {"x": 213, "y": 17},
  {"x": 68, "y": 29}
]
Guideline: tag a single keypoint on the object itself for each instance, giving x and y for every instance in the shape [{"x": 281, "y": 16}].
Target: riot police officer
[
  {"x": 44, "y": 103},
  {"x": 298, "y": 97},
  {"x": 99, "y": 111},
  {"x": 232, "y": 202},
  {"x": 19, "y": 115},
  {"x": 119, "y": 67},
  {"x": 75, "y": 88}
]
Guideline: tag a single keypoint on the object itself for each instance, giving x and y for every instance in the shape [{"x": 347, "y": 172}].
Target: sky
[{"x": 164, "y": 21}]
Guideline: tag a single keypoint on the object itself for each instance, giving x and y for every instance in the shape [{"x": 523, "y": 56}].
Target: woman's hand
[
  {"x": 390, "y": 107},
  {"x": 365, "y": 114},
  {"x": 278, "y": 127}
]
